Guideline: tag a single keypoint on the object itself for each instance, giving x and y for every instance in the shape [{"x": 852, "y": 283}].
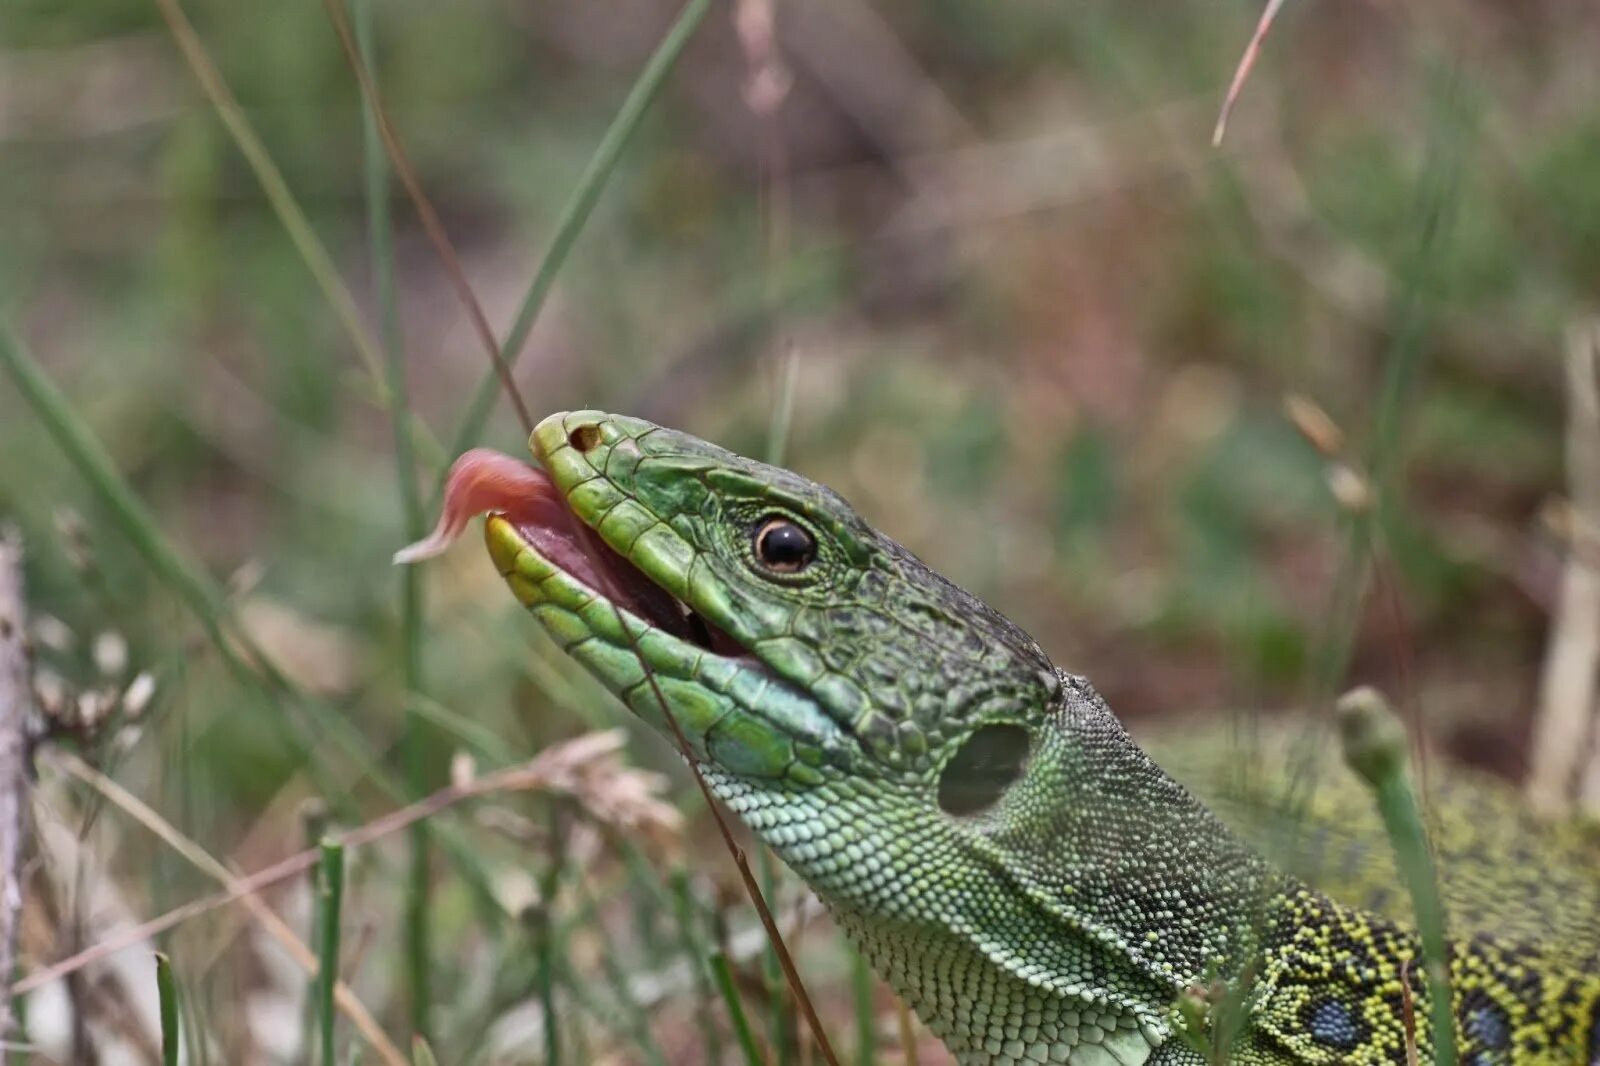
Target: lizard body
[{"x": 978, "y": 821}]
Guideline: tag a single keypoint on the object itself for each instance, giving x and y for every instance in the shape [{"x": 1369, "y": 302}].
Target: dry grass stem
[
  {"x": 587, "y": 769},
  {"x": 275, "y": 926},
  {"x": 1566, "y": 727},
  {"x": 1247, "y": 62},
  {"x": 16, "y": 714}
]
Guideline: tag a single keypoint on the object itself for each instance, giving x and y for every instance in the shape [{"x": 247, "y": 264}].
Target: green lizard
[{"x": 979, "y": 822}]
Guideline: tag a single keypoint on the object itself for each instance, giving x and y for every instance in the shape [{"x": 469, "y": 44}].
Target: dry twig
[
  {"x": 1246, "y": 63},
  {"x": 16, "y": 701},
  {"x": 1567, "y": 725}
]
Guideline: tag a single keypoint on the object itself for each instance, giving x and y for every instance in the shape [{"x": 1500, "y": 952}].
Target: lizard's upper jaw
[{"x": 547, "y": 554}]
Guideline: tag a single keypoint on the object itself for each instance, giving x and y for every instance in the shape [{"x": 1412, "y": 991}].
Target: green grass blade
[
  {"x": 272, "y": 182},
  {"x": 783, "y": 408},
  {"x": 685, "y": 913},
  {"x": 866, "y": 1015},
  {"x": 575, "y": 214},
  {"x": 95, "y": 464},
  {"x": 418, "y": 927},
  {"x": 1376, "y": 748},
  {"x": 722, "y": 972},
  {"x": 167, "y": 992},
  {"x": 549, "y": 883},
  {"x": 330, "y": 901}
]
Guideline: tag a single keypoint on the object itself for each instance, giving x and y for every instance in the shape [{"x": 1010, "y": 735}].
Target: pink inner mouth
[{"x": 484, "y": 481}]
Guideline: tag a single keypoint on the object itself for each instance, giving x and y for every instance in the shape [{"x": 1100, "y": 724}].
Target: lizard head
[
  {"x": 909, "y": 752},
  {"x": 811, "y": 663}
]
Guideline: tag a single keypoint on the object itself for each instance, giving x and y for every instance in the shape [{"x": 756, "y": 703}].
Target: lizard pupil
[
  {"x": 984, "y": 767},
  {"x": 784, "y": 546}
]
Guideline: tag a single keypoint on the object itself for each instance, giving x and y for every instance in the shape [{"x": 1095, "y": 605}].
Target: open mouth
[{"x": 483, "y": 481}]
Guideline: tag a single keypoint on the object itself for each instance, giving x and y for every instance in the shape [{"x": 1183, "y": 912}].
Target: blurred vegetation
[{"x": 1044, "y": 334}]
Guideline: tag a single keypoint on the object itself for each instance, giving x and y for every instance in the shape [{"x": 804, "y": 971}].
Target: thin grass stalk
[
  {"x": 861, "y": 981},
  {"x": 167, "y": 994},
  {"x": 722, "y": 974},
  {"x": 782, "y": 421},
  {"x": 330, "y": 901},
  {"x": 1371, "y": 530},
  {"x": 908, "y": 1032},
  {"x": 1376, "y": 747},
  {"x": 380, "y": 235},
  {"x": 549, "y": 883},
  {"x": 272, "y": 182},
  {"x": 694, "y": 951},
  {"x": 636, "y": 1020},
  {"x": 575, "y": 214},
  {"x": 16, "y": 717},
  {"x": 780, "y": 1020},
  {"x": 314, "y": 829},
  {"x": 431, "y": 223}
]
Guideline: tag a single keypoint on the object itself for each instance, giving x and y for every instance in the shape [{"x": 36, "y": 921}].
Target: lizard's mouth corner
[{"x": 547, "y": 553}]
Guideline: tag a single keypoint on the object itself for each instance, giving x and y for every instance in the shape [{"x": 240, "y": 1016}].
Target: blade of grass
[
  {"x": 418, "y": 931},
  {"x": 783, "y": 407},
  {"x": 1369, "y": 531},
  {"x": 1375, "y": 746},
  {"x": 722, "y": 973},
  {"x": 866, "y": 1014},
  {"x": 575, "y": 214},
  {"x": 16, "y": 716},
  {"x": 376, "y": 116},
  {"x": 633, "y": 1016},
  {"x": 281, "y": 199},
  {"x": 314, "y": 828},
  {"x": 549, "y": 883},
  {"x": 690, "y": 944},
  {"x": 167, "y": 993},
  {"x": 330, "y": 901}
]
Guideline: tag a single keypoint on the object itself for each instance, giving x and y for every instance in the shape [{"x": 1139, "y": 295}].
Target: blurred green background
[{"x": 1025, "y": 317}]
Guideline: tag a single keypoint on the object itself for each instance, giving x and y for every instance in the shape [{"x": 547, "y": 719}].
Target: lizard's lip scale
[{"x": 484, "y": 481}]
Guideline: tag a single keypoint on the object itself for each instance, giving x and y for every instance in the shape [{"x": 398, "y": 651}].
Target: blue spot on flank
[
  {"x": 1331, "y": 1022},
  {"x": 1488, "y": 1026}
]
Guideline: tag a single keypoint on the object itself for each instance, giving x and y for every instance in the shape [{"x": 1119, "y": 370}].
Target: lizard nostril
[{"x": 584, "y": 438}]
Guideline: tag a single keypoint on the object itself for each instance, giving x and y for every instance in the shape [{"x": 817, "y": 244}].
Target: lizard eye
[
  {"x": 985, "y": 766},
  {"x": 784, "y": 546}
]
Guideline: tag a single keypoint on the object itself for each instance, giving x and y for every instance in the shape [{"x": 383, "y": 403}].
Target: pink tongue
[{"x": 485, "y": 480}]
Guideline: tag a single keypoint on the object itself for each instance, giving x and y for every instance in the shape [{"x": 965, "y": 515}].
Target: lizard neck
[
  {"x": 1102, "y": 840},
  {"x": 986, "y": 1012},
  {"x": 1096, "y": 894}
]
